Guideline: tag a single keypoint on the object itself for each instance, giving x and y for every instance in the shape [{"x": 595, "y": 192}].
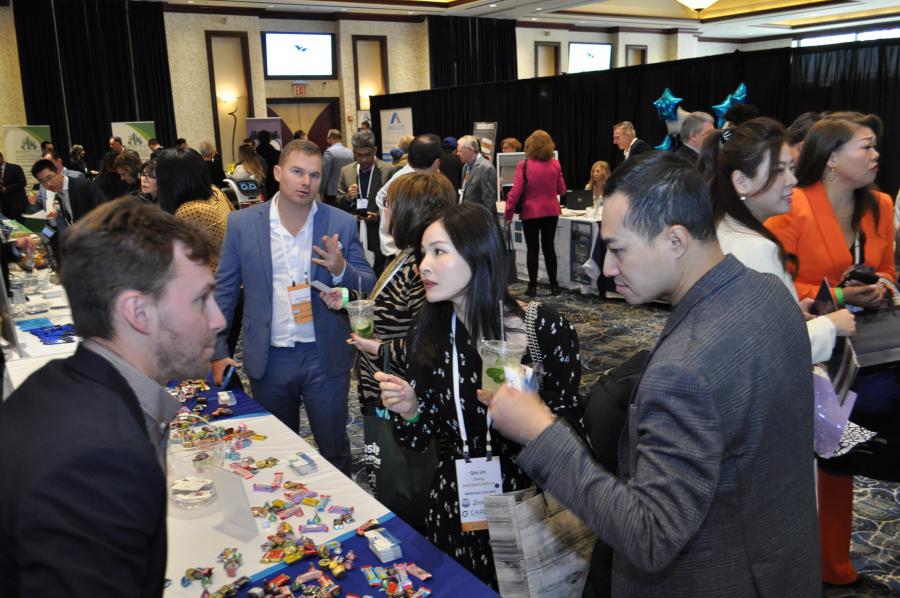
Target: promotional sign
[
  {"x": 22, "y": 144},
  {"x": 135, "y": 135},
  {"x": 395, "y": 124},
  {"x": 272, "y": 125},
  {"x": 363, "y": 116},
  {"x": 486, "y": 134}
]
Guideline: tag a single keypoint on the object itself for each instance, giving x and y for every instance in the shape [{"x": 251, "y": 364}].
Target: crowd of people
[{"x": 713, "y": 491}]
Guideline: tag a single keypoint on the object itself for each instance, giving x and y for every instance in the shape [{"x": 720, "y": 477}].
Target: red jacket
[{"x": 545, "y": 183}]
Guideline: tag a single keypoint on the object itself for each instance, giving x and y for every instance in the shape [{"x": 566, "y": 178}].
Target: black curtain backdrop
[
  {"x": 107, "y": 62},
  {"x": 464, "y": 50},
  {"x": 580, "y": 110}
]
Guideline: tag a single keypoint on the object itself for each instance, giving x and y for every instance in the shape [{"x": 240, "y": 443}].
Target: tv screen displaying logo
[{"x": 298, "y": 55}]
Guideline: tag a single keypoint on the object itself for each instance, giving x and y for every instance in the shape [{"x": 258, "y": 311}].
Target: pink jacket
[{"x": 545, "y": 182}]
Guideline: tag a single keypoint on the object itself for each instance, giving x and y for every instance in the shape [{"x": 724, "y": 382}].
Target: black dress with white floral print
[{"x": 558, "y": 344}]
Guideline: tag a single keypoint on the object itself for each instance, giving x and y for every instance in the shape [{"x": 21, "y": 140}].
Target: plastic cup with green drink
[{"x": 362, "y": 317}]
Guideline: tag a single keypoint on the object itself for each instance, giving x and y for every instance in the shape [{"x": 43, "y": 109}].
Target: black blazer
[
  {"x": 639, "y": 147},
  {"x": 83, "y": 498},
  {"x": 13, "y": 201},
  {"x": 687, "y": 154},
  {"x": 271, "y": 156},
  {"x": 84, "y": 196}
]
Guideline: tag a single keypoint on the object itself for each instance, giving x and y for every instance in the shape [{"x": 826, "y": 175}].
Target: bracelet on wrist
[
  {"x": 839, "y": 295},
  {"x": 345, "y": 296}
]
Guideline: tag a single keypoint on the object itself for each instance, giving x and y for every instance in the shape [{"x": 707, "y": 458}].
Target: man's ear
[
  {"x": 678, "y": 239},
  {"x": 136, "y": 310}
]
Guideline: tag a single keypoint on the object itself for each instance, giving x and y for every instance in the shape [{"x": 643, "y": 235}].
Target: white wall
[{"x": 527, "y": 36}]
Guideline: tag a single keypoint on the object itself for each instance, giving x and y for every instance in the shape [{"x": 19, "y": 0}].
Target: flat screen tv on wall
[{"x": 299, "y": 55}]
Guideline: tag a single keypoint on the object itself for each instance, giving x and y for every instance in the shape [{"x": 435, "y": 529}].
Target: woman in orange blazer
[{"x": 837, "y": 220}]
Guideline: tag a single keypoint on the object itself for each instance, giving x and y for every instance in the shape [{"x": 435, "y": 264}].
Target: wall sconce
[{"x": 230, "y": 101}]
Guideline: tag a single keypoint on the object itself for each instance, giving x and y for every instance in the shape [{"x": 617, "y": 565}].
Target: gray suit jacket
[
  {"x": 481, "y": 187},
  {"x": 333, "y": 160},
  {"x": 715, "y": 495},
  {"x": 381, "y": 173}
]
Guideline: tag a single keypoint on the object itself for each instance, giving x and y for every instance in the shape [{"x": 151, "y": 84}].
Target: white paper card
[
  {"x": 362, "y": 203},
  {"x": 475, "y": 480}
]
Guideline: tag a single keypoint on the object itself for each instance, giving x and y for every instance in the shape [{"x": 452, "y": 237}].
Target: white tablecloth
[{"x": 194, "y": 541}]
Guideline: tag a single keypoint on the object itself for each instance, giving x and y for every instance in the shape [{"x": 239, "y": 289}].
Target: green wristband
[
  {"x": 345, "y": 296},
  {"x": 414, "y": 419},
  {"x": 839, "y": 295}
]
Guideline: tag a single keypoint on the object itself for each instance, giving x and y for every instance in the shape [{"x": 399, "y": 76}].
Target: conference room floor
[{"x": 609, "y": 331}]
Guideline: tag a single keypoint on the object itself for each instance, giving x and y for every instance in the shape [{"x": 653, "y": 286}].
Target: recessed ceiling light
[
  {"x": 190, "y": 1},
  {"x": 534, "y": 18},
  {"x": 539, "y": 8},
  {"x": 409, "y": 12}
]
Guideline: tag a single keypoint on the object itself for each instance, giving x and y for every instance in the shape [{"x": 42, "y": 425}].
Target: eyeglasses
[
  {"x": 370, "y": 154},
  {"x": 45, "y": 180}
]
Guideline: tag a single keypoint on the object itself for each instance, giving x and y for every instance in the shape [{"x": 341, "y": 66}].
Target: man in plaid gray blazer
[{"x": 715, "y": 491}]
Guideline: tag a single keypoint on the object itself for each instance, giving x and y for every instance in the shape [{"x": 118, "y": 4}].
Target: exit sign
[{"x": 299, "y": 89}]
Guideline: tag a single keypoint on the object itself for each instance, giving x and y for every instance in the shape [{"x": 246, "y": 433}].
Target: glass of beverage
[
  {"x": 362, "y": 317},
  {"x": 501, "y": 363}
]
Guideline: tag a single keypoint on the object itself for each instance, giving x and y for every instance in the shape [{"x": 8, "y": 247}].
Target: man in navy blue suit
[{"x": 294, "y": 349}]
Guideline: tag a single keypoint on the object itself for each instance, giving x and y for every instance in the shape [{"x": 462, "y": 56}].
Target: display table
[
  {"x": 195, "y": 541},
  {"x": 575, "y": 235}
]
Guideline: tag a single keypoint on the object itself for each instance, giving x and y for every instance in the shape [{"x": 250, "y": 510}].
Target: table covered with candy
[{"x": 310, "y": 525}]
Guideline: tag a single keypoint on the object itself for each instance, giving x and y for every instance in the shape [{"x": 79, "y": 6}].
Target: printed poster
[
  {"x": 135, "y": 135},
  {"x": 395, "y": 123}
]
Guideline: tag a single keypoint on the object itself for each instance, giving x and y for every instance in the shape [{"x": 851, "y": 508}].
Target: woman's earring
[{"x": 742, "y": 197}]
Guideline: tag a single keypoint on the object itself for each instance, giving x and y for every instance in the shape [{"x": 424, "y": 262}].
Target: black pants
[{"x": 543, "y": 230}]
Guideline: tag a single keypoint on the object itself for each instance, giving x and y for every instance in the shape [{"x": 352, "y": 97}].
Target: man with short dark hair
[
  {"x": 13, "y": 197},
  {"x": 360, "y": 182},
  {"x": 335, "y": 158},
  {"x": 115, "y": 145},
  {"x": 46, "y": 146},
  {"x": 479, "y": 177},
  {"x": 715, "y": 493},
  {"x": 155, "y": 147},
  {"x": 424, "y": 157},
  {"x": 294, "y": 349},
  {"x": 181, "y": 144},
  {"x": 82, "y": 441},
  {"x": 67, "y": 198},
  {"x": 694, "y": 130},
  {"x": 797, "y": 131}
]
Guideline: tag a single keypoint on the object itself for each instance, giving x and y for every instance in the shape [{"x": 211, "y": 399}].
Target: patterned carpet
[{"x": 609, "y": 331}]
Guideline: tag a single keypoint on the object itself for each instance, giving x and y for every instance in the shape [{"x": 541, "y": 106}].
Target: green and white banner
[
  {"x": 22, "y": 144},
  {"x": 135, "y": 136}
]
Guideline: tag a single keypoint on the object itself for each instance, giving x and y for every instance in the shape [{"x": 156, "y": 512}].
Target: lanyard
[
  {"x": 284, "y": 255},
  {"x": 458, "y": 402},
  {"x": 359, "y": 180}
]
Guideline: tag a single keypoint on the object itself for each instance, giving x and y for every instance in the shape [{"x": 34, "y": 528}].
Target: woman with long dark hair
[
  {"x": 838, "y": 221},
  {"x": 752, "y": 180},
  {"x": 184, "y": 188},
  {"x": 538, "y": 184},
  {"x": 412, "y": 203},
  {"x": 462, "y": 269}
]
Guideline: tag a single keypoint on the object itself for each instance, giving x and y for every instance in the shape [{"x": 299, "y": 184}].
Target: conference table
[
  {"x": 577, "y": 236},
  {"x": 197, "y": 536}
]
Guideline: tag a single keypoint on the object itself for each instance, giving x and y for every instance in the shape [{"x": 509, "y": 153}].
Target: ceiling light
[
  {"x": 343, "y": 10},
  {"x": 492, "y": 5},
  {"x": 534, "y": 18},
  {"x": 697, "y": 4},
  {"x": 409, "y": 12},
  {"x": 539, "y": 8}
]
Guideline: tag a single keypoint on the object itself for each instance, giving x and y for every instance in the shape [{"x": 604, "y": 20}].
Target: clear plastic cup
[
  {"x": 362, "y": 317},
  {"x": 501, "y": 363}
]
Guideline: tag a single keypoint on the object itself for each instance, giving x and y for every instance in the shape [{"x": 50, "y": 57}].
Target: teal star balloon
[
  {"x": 666, "y": 144},
  {"x": 667, "y": 105},
  {"x": 738, "y": 96}
]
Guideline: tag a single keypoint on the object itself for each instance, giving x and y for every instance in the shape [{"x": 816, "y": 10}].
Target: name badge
[
  {"x": 362, "y": 203},
  {"x": 299, "y": 297},
  {"x": 475, "y": 480}
]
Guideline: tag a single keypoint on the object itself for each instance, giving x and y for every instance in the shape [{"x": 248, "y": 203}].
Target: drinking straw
[{"x": 502, "y": 326}]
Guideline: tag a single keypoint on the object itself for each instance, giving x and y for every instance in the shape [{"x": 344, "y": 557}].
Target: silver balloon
[{"x": 674, "y": 126}]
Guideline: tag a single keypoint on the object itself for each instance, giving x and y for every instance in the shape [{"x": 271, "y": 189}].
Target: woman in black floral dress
[{"x": 462, "y": 268}]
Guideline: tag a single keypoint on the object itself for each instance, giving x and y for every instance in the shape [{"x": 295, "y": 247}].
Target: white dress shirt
[
  {"x": 387, "y": 241},
  {"x": 291, "y": 264}
]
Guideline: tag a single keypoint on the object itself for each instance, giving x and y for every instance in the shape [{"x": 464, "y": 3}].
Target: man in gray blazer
[
  {"x": 479, "y": 177},
  {"x": 358, "y": 185},
  {"x": 333, "y": 160},
  {"x": 715, "y": 493}
]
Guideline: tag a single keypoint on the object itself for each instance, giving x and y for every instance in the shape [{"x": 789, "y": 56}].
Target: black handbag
[{"x": 521, "y": 202}]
